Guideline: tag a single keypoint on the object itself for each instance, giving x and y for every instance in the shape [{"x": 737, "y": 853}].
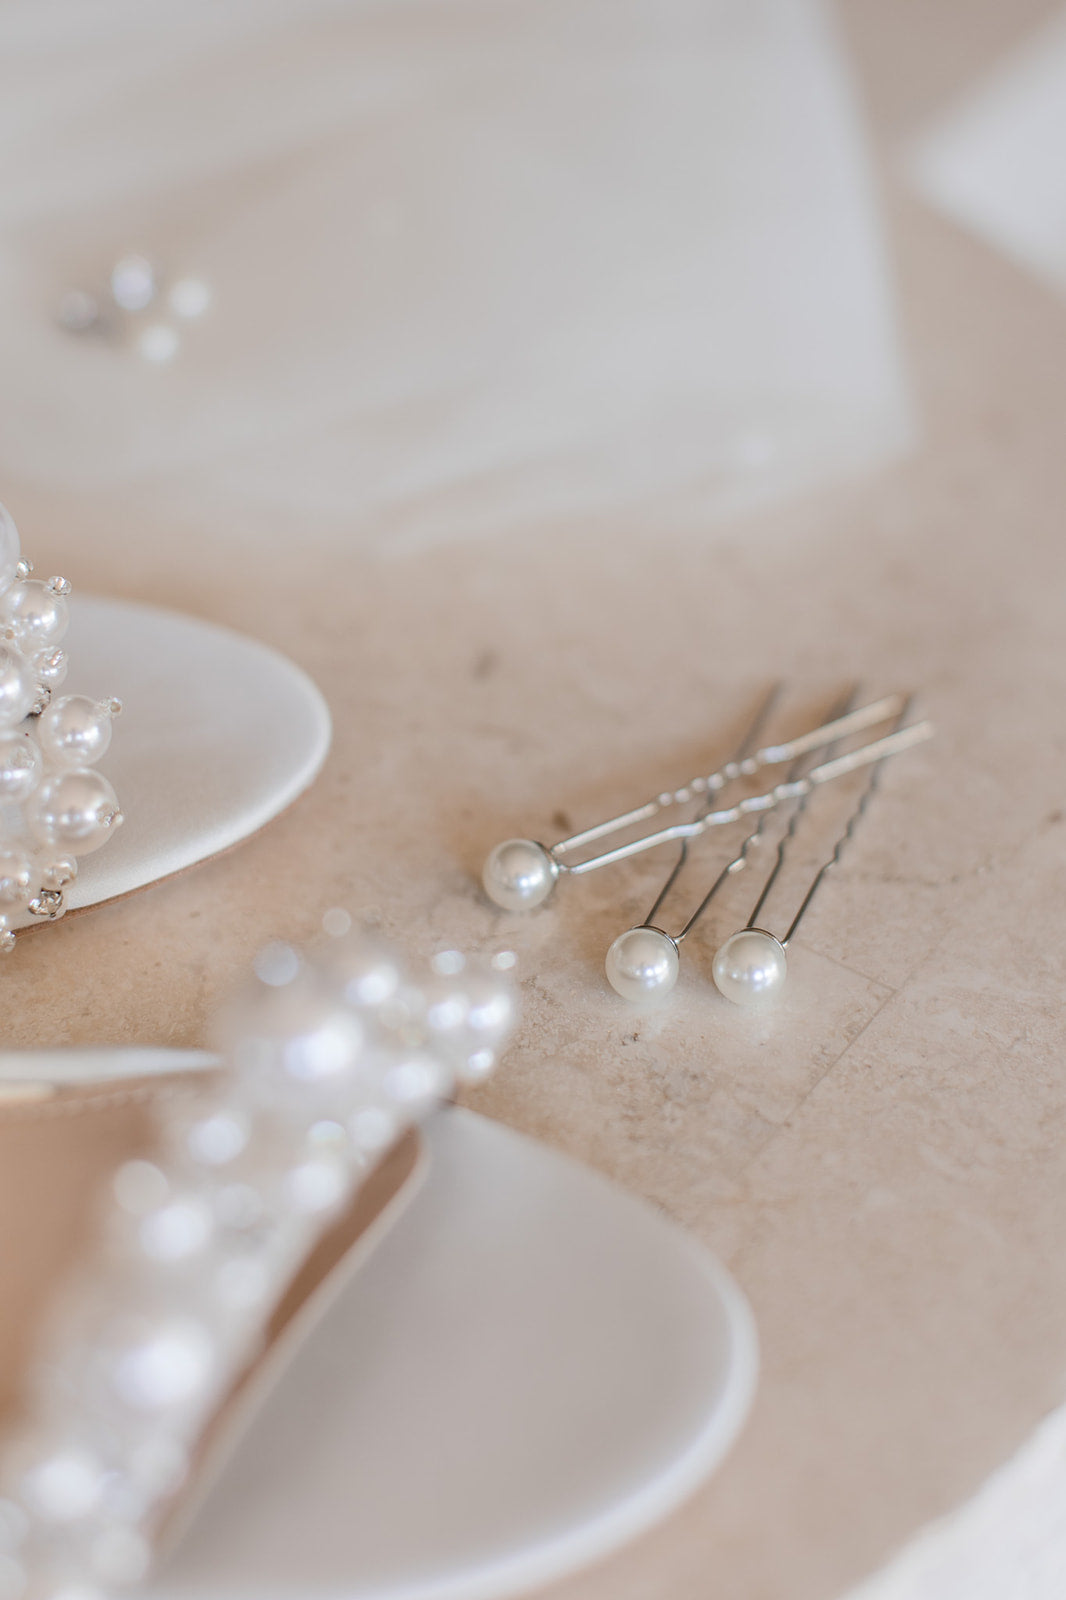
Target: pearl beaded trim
[
  {"x": 327, "y": 1063},
  {"x": 54, "y": 806}
]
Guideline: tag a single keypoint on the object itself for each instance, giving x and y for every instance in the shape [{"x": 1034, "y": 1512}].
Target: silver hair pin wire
[
  {"x": 520, "y": 874},
  {"x": 752, "y": 965},
  {"x": 643, "y": 963}
]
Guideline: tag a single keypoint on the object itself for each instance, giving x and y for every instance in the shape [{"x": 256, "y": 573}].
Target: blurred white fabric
[
  {"x": 473, "y": 261},
  {"x": 996, "y": 162}
]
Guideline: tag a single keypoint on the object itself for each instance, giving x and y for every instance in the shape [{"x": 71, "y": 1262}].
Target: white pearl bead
[
  {"x": 373, "y": 1129},
  {"x": 177, "y": 1230},
  {"x": 168, "y": 1366},
  {"x": 519, "y": 874},
  {"x": 365, "y": 967},
  {"x": 9, "y": 549},
  {"x": 467, "y": 1016},
  {"x": 17, "y": 879},
  {"x": 18, "y": 687},
  {"x": 133, "y": 283},
  {"x": 37, "y": 612},
  {"x": 218, "y": 1138},
  {"x": 76, "y": 810},
  {"x": 642, "y": 965},
  {"x": 75, "y": 731},
  {"x": 294, "y": 1044},
  {"x": 66, "y": 1486},
  {"x": 416, "y": 1080},
  {"x": 316, "y": 1185},
  {"x": 750, "y": 967},
  {"x": 60, "y": 873},
  {"x": 50, "y": 667},
  {"x": 20, "y": 765}
]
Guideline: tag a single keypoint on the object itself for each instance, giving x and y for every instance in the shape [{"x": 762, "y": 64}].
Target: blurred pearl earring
[
  {"x": 54, "y": 806},
  {"x": 520, "y": 874},
  {"x": 643, "y": 963},
  {"x": 138, "y": 309}
]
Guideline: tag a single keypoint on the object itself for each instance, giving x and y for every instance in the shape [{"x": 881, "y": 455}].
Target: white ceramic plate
[
  {"x": 532, "y": 1368},
  {"x": 218, "y": 735}
]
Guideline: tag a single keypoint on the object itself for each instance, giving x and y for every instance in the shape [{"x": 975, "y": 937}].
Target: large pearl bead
[
  {"x": 9, "y": 549},
  {"x": 519, "y": 874},
  {"x": 75, "y": 731},
  {"x": 642, "y": 965},
  {"x": 75, "y": 810},
  {"x": 20, "y": 765},
  {"x": 38, "y": 613},
  {"x": 750, "y": 967},
  {"x": 18, "y": 690}
]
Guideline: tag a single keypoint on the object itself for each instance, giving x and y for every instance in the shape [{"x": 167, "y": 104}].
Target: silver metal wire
[
  {"x": 755, "y": 727},
  {"x": 852, "y": 823},
  {"x": 790, "y": 789},
  {"x": 743, "y": 766},
  {"x": 740, "y": 860}
]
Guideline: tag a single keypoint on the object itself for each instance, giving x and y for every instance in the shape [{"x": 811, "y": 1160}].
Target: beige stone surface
[{"x": 882, "y": 1162}]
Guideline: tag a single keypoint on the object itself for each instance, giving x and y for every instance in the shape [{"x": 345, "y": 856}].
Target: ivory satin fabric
[{"x": 471, "y": 262}]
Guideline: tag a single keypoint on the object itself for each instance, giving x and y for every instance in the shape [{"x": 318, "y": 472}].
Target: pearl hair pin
[
  {"x": 137, "y": 308},
  {"x": 751, "y": 966},
  {"x": 643, "y": 963},
  {"x": 54, "y": 805},
  {"x": 520, "y": 874},
  {"x": 327, "y": 1061}
]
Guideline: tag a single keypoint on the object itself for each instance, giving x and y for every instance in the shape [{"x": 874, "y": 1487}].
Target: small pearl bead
[
  {"x": 750, "y": 967},
  {"x": 365, "y": 967},
  {"x": 169, "y": 1365},
  {"x": 65, "y": 1486},
  {"x": 58, "y": 874},
  {"x": 642, "y": 965},
  {"x": 519, "y": 874},
  {"x": 20, "y": 765},
  {"x": 17, "y": 884},
  {"x": 18, "y": 690},
  {"x": 50, "y": 667},
  {"x": 133, "y": 283},
  {"x": 38, "y": 613},
  {"x": 218, "y": 1138},
  {"x": 75, "y": 731},
  {"x": 76, "y": 810},
  {"x": 177, "y": 1230},
  {"x": 316, "y": 1185}
]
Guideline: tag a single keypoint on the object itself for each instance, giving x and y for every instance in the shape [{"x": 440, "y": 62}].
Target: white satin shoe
[{"x": 486, "y": 1368}]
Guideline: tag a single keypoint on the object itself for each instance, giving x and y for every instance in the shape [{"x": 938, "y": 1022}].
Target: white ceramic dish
[
  {"x": 218, "y": 735},
  {"x": 530, "y": 1369}
]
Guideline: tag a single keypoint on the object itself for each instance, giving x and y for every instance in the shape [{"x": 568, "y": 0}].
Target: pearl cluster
[
  {"x": 328, "y": 1061},
  {"x": 137, "y": 307},
  {"x": 54, "y": 805}
]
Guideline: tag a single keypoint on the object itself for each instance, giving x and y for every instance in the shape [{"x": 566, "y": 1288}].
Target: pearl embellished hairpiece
[
  {"x": 327, "y": 1062},
  {"x": 520, "y": 873},
  {"x": 53, "y": 806},
  {"x": 751, "y": 966},
  {"x": 138, "y": 309}
]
